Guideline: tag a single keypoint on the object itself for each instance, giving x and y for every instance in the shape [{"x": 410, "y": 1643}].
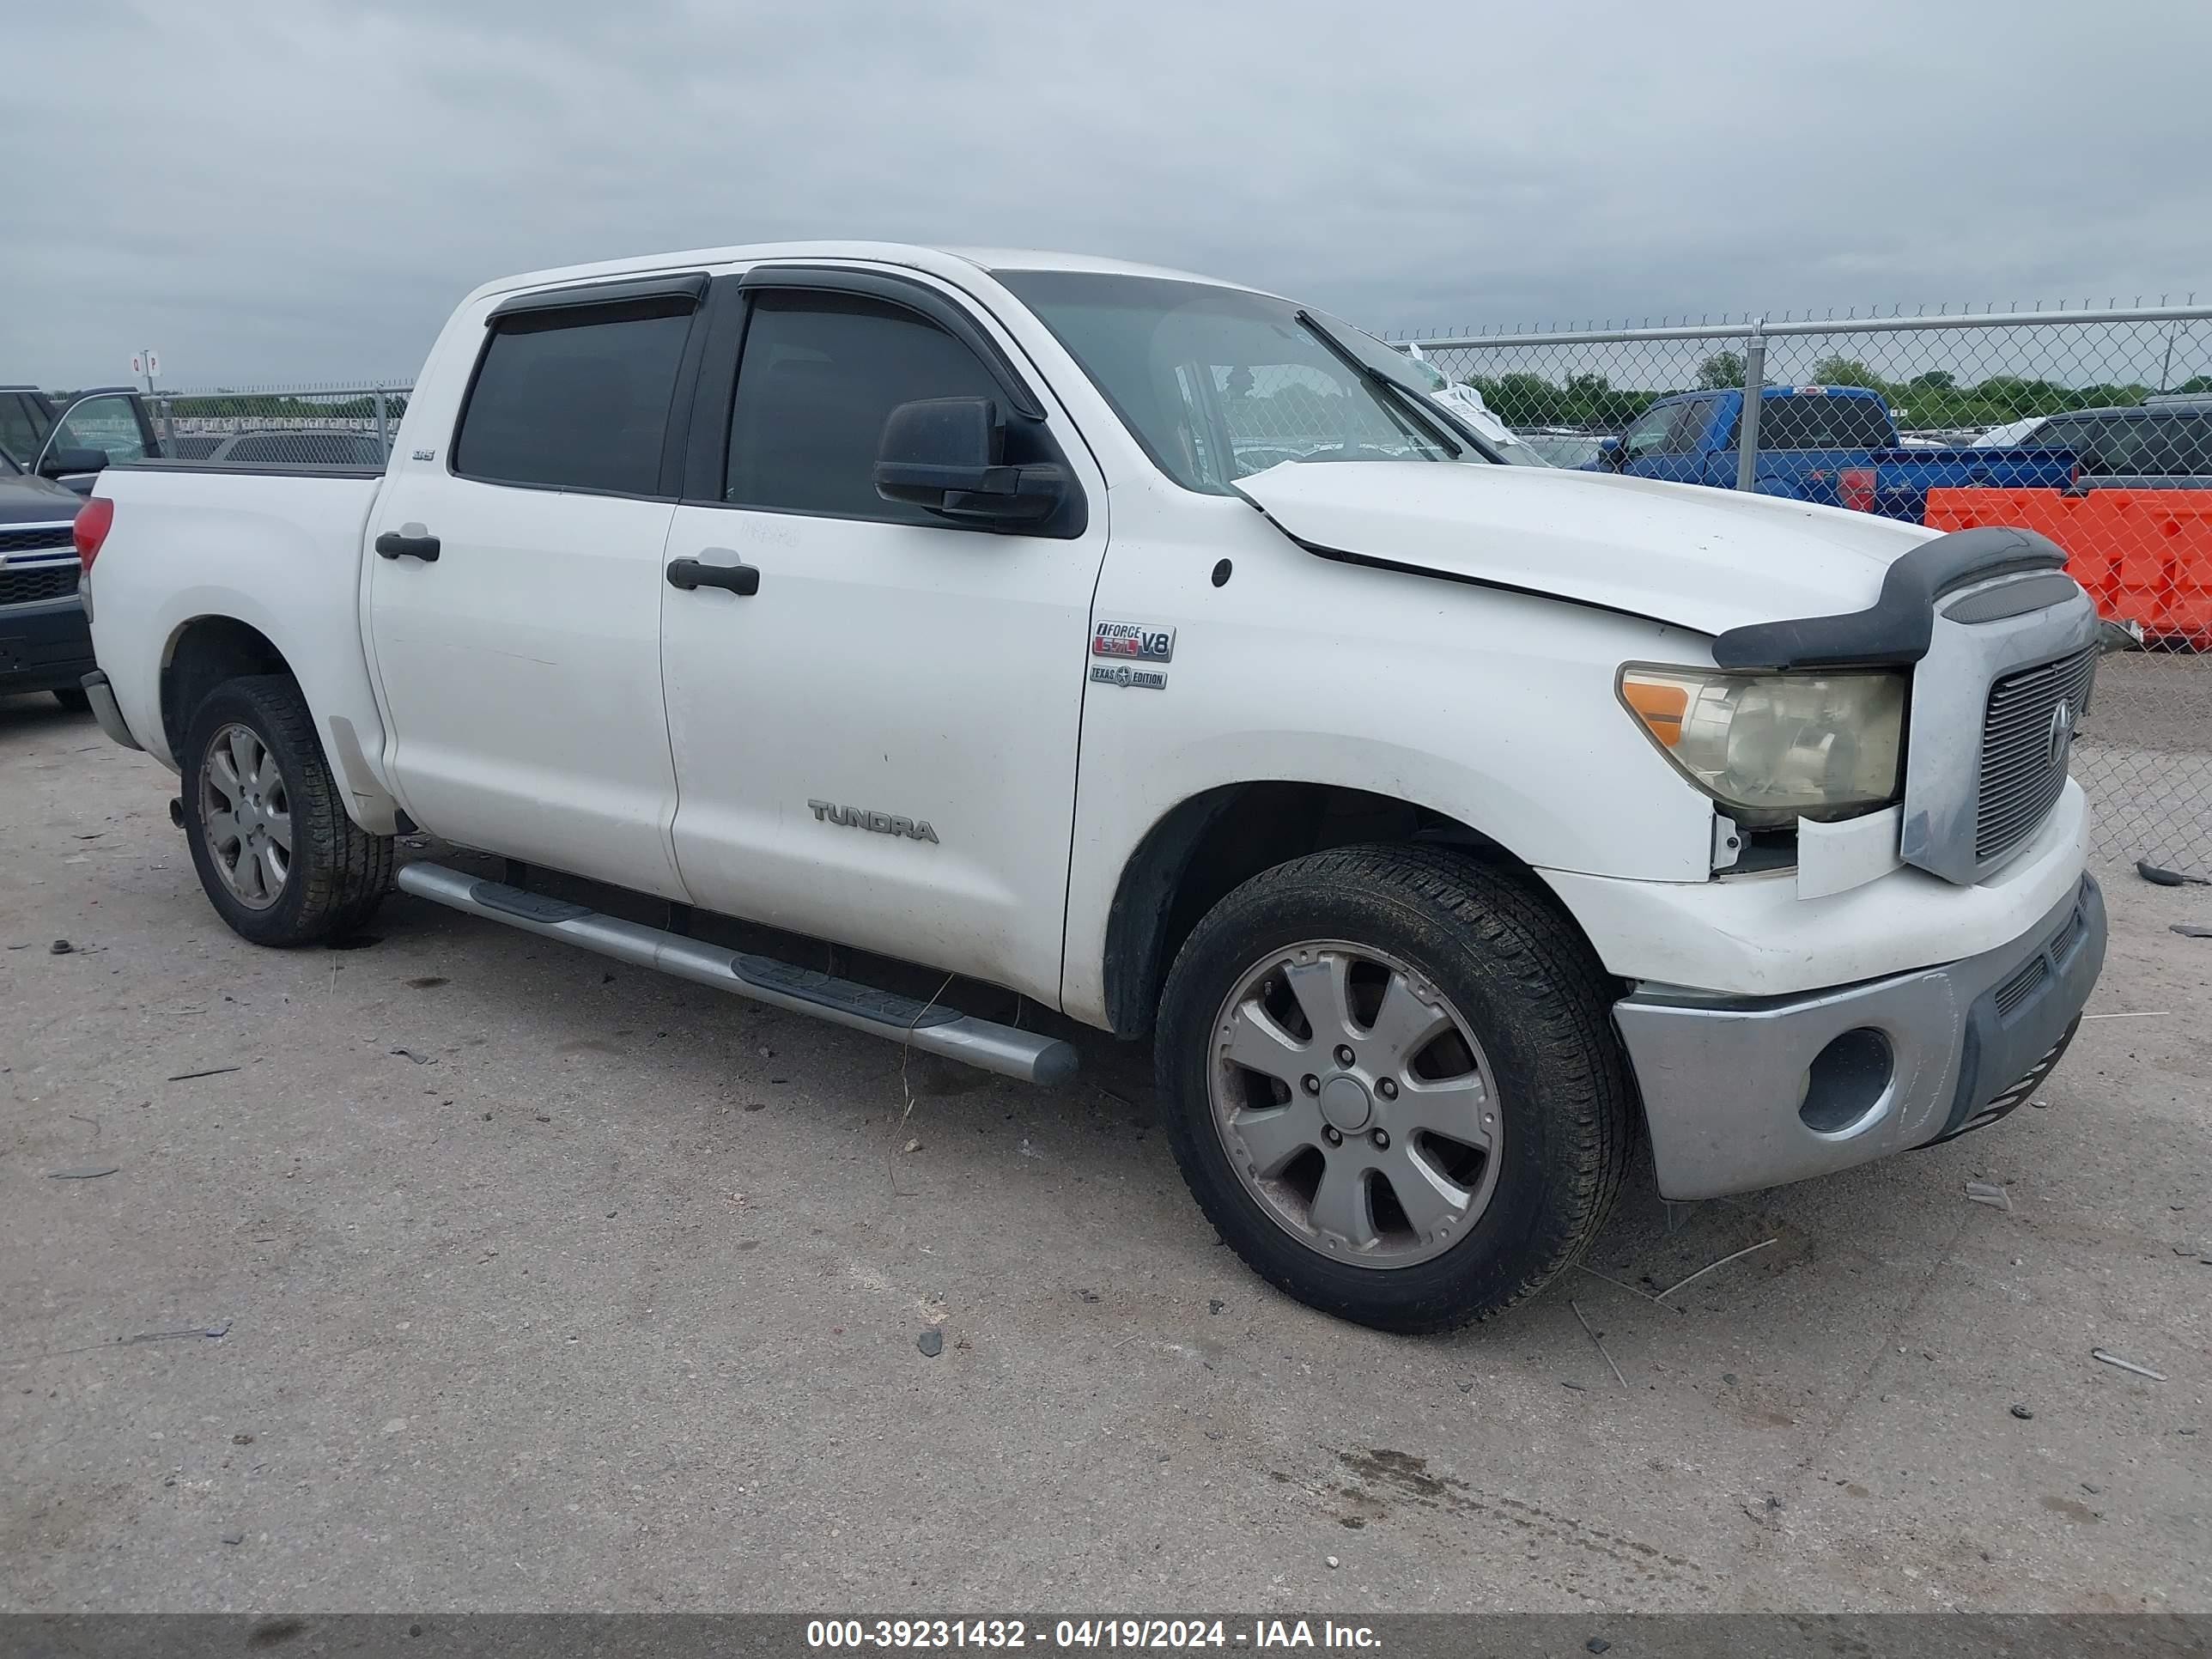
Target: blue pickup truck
[{"x": 1833, "y": 444}]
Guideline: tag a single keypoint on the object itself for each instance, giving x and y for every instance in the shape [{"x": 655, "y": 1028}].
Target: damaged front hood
[{"x": 1706, "y": 559}]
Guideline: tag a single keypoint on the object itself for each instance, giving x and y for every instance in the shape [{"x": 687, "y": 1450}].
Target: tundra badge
[{"x": 860, "y": 817}]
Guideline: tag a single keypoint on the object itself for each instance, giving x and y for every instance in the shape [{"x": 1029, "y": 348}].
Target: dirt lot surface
[{"x": 546, "y": 1284}]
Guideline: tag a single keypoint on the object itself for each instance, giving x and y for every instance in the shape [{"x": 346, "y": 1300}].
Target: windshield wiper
[{"x": 1408, "y": 402}]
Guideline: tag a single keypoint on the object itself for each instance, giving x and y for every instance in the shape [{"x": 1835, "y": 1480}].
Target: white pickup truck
[{"x": 1159, "y": 650}]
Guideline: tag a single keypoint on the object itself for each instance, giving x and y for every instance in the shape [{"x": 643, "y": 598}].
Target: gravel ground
[{"x": 550, "y": 1284}]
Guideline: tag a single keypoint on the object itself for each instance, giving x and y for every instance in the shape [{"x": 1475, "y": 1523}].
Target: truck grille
[
  {"x": 51, "y": 582},
  {"x": 2020, "y": 779},
  {"x": 34, "y": 538}
]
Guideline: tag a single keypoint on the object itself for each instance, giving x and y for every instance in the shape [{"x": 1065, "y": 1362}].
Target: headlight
[{"x": 1775, "y": 747}]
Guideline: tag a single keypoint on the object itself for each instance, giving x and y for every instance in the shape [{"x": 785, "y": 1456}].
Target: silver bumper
[
  {"x": 106, "y": 710},
  {"x": 1741, "y": 1093}
]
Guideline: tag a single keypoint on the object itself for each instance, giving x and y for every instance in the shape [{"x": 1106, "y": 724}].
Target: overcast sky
[{"x": 301, "y": 191}]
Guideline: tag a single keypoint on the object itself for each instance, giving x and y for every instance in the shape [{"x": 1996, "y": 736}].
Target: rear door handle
[
  {"x": 393, "y": 545},
  {"x": 743, "y": 580}
]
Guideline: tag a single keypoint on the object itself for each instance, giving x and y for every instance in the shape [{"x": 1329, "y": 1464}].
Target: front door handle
[
  {"x": 393, "y": 545},
  {"x": 688, "y": 574}
]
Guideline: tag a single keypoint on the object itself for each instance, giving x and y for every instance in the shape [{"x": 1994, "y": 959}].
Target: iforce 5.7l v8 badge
[{"x": 1134, "y": 641}]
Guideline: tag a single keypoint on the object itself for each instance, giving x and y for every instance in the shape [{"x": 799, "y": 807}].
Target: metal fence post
[
  {"x": 383, "y": 428},
  {"x": 1754, "y": 384}
]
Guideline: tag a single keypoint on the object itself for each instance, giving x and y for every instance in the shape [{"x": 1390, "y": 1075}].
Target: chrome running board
[{"x": 981, "y": 1043}]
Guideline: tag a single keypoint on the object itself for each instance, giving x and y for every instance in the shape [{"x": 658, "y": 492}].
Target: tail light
[
  {"x": 1855, "y": 489},
  {"x": 93, "y": 521}
]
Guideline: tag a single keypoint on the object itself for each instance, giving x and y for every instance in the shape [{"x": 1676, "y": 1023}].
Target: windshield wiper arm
[{"x": 1404, "y": 396}]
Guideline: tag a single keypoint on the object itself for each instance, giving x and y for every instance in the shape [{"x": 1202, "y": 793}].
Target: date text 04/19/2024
[{"x": 832, "y": 1635}]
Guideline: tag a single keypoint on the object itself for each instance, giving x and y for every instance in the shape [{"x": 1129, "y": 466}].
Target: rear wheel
[
  {"x": 73, "y": 698},
  {"x": 1393, "y": 1087},
  {"x": 281, "y": 861}
]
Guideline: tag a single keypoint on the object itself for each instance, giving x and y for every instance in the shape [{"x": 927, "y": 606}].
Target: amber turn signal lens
[{"x": 1660, "y": 704}]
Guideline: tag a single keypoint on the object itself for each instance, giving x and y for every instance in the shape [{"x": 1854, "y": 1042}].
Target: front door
[
  {"x": 113, "y": 423},
  {"x": 875, "y": 732},
  {"x": 515, "y": 596}
]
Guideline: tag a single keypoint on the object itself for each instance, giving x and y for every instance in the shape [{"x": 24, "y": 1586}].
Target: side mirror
[
  {"x": 945, "y": 455},
  {"x": 59, "y": 463},
  {"x": 1611, "y": 455}
]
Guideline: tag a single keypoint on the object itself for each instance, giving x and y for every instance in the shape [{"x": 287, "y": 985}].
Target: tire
[
  {"x": 1476, "y": 955},
  {"x": 73, "y": 698},
  {"x": 334, "y": 874}
]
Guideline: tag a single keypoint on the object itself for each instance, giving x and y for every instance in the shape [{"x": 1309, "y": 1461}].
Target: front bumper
[
  {"x": 1741, "y": 1093},
  {"x": 44, "y": 645}
]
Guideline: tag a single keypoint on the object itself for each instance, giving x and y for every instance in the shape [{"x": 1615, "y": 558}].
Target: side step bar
[{"x": 982, "y": 1042}]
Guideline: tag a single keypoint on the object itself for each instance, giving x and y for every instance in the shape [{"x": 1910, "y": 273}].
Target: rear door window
[
  {"x": 574, "y": 399},
  {"x": 2177, "y": 444},
  {"x": 1817, "y": 421},
  {"x": 23, "y": 426}
]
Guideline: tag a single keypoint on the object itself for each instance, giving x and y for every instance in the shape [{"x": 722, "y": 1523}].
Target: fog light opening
[{"x": 1846, "y": 1080}]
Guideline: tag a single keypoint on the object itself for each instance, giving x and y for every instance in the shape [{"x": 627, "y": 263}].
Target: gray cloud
[{"x": 300, "y": 190}]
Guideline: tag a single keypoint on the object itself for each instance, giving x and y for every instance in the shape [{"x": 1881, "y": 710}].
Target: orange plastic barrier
[{"x": 2145, "y": 556}]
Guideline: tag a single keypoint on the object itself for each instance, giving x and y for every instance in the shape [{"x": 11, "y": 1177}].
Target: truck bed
[{"x": 273, "y": 545}]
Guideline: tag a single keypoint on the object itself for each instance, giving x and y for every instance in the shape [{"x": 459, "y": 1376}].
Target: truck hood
[
  {"x": 1706, "y": 559},
  {"x": 30, "y": 499}
]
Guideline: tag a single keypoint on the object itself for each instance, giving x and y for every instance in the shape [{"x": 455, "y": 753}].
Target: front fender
[{"x": 1493, "y": 709}]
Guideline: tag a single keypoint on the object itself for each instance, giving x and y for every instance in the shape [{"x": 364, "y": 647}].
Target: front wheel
[
  {"x": 1393, "y": 1087},
  {"x": 281, "y": 861}
]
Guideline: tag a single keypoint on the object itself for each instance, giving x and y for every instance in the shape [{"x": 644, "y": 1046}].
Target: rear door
[
  {"x": 514, "y": 591},
  {"x": 876, "y": 735},
  {"x": 113, "y": 423}
]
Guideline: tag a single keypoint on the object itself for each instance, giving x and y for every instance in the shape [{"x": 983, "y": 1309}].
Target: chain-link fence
[
  {"x": 328, "y": 425},
  {"x": 2091, "y": 427}
]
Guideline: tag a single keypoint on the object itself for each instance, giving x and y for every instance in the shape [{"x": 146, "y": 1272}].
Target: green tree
[
  {"x": 1721, "y": 371},
  {"x": 1836, "y": 369}
]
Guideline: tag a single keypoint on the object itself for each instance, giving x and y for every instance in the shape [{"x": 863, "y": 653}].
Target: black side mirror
[
  {"x": 1611, "y": 454},
  {"x": 59, "y": 463},
  {"x": 946, "y": 456}
]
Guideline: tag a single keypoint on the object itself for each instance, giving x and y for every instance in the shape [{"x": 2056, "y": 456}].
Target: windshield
[{"x": 1220, "y": 383}]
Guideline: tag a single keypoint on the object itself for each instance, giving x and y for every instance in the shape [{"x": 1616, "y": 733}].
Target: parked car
[
  {"x": 1561, "y": 446},
  {"x": 45, "y": 643},
  {"x": 297, "y": 445},
  {"x": 1836, "y": 446},
  {"x": 27, "y": 414},
  {"x": 67, "y": 441},
  {"x": 2165, "y": 443},
  {"x": 1435, "y": 818}
]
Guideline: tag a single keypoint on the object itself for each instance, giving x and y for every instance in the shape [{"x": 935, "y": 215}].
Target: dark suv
[
  {"x": 2165, "y": 443},
  {"x": 45, "y": 643},
  {"x": 70, "y": 438}
]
